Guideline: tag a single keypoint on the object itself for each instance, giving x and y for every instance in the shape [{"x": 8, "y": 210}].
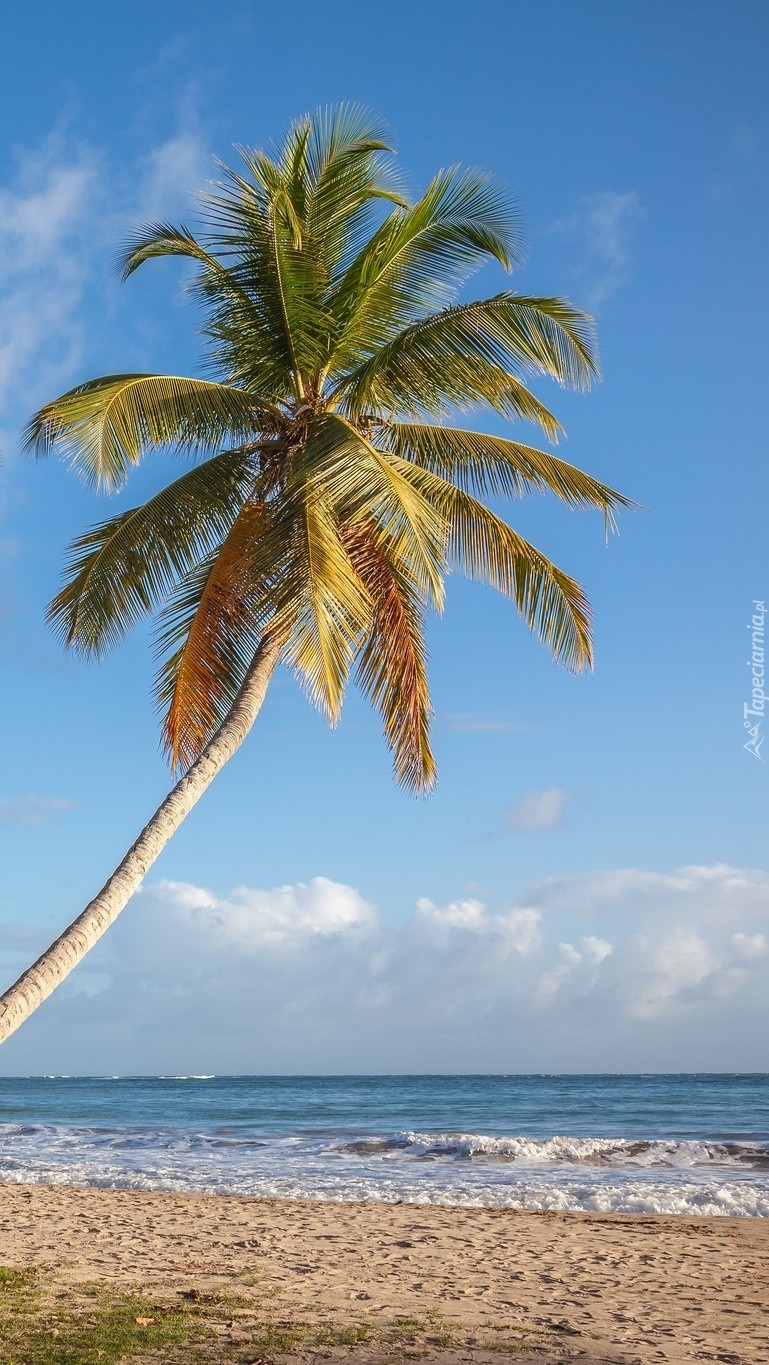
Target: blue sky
[{"x": 563, "y": 932}]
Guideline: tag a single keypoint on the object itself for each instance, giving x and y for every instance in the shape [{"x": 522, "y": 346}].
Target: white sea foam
[
  {"x": 583, "y": 1150},
  {"x": 606, "y": 1175},
  {"x": 743, "y": 1199}
]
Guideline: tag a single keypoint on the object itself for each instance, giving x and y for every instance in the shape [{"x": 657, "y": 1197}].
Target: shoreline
[{"x": 588, "y": 1286}]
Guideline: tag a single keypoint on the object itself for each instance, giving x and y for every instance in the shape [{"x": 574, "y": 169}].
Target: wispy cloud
[
  {"x": 34, "y": 810},
  {"x": 713, "y": 887},
  {"x": 44, "y": 264},
  {"x": 602, "y": 227},
  {"x": 62, "y": 214},
  {"x": 742, "y": 162},
  {"x": 539, "y": 809},
  {"x": 169, "y": 176}
]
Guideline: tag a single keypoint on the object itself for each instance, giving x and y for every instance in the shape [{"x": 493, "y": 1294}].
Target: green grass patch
[
  {"x": 98, "y": 1324},
  {"x": 101, "y": 1327}
]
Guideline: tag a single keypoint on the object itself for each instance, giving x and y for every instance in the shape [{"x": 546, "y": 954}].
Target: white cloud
[
  {"x": 248, "y": 920},
  {"x": 714, "y": 889},
  {"x": 44, "y": 264},
  {"x": 170, "y": 175},
  {"x": 665, "y": 971},
  {"x": 45, "y": 205},
  {"x": 682, "y": 938},
  {"x": 539, "y": 809},
  {"x": 62, "y": 215},
  {"x": 34, "y": 810},
  {"x": 511, "y": 931},
  {"x": 603, "y": 227},
  {"x": 580, "y": 964},
  {"x": 747, "y": 947}
]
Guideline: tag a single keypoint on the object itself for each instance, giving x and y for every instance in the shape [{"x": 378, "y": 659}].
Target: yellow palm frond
[
  {"x": 105, "y": 426},
  {"x": 496, "y": 466},
  {"x": 332, "y": 613}
]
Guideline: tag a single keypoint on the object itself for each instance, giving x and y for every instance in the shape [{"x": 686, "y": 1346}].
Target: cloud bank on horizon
[{"x": 652, "y": 970}]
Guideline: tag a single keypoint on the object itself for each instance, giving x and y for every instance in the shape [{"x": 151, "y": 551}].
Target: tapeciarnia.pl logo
[{"x": 755, "y": 708}]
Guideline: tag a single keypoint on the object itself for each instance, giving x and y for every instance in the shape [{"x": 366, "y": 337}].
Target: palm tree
[{"x": 328, "y": 497}]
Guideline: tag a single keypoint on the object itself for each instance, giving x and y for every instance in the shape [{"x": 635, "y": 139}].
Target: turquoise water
[{"x": 675, "y": 1144}]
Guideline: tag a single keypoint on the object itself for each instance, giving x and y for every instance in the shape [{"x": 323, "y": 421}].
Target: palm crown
[{"x": 328, "y": 497}]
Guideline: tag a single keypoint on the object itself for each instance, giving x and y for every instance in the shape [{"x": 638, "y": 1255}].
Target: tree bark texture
[{"x": 37, "y": 983}]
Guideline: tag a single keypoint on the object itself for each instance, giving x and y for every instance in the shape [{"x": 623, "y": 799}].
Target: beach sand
[{"x": 545, "y": 1286}]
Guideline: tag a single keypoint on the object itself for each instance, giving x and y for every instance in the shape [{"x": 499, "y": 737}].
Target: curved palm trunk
[{"x": 44, "y": 976}]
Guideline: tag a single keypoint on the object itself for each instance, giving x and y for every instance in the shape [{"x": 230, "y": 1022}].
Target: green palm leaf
[
  {"x": 337, "y": 168},
  {"x": 418, "y": 258},
  {"x": 166, "y": 239},
  {"x": 476, "y": 353},
  {"x": 106, "y": 426},
  {"x": 495, "y": 466},
  {"x": 332, "y": 612},
  {"x": 120, "y": 570},
  {"x": 357, "y": 479},
  {"x": 255, "y": 219},
  {"x": 244, "y": 325},
  {"x": 553, "y": 605},
  {"x": 485, "y": 549}
]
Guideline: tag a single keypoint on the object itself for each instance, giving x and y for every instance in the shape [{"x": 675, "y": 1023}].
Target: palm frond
[
  {"x": 254, "y": 220},
  {"x": 246, "y": 324},
  {"x": 475, "y": 353},
  {"x": 338, "y": 165},
  {"x": 157, "y": 239},
  {"x": 332, "y": 611},
  {"x": 497, "y": 467},
  {"x": 418, "y": 258},
  {"x": 105, "y": 426},
  {"x": 122, "y": 569},
  {"x": 359, "y": 479},
  {"x": 392, "y": 666},
  {"x": 485, "y": 549},
  {"x": 209, "y": 632},
  {"x": 553, "y": 605}
]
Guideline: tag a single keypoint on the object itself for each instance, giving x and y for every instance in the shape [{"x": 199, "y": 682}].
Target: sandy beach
[{"x": 567, "y": 1287}]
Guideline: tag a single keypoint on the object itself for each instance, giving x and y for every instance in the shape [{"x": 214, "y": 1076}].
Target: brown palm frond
[
  {"x": 217, "y": 614},
  {"x": 392, "y": 668}
]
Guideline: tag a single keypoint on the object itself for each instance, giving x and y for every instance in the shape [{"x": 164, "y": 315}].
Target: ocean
[{"x": 683, "y": 1144}]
